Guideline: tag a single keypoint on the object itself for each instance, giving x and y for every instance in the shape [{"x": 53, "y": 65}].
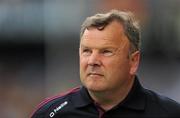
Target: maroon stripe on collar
[{"x": 100, "y": 110}]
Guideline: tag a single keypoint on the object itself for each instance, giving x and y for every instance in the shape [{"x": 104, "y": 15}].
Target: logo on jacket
[{"x": 57, "y": 109}]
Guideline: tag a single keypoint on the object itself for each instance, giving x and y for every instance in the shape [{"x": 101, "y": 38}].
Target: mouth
[{"x": 95, "y": 74}]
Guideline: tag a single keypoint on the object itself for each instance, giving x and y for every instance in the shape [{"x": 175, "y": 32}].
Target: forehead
[{"x": 112, "y": 34}]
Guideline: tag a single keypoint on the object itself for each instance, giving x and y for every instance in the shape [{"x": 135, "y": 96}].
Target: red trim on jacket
[{"x": 49, "y": 99}]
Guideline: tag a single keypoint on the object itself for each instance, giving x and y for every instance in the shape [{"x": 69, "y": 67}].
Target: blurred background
[{"x": 39, "y": 42}]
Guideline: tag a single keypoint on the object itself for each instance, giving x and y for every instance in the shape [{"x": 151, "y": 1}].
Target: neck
[{"x": 109, "y": 99}]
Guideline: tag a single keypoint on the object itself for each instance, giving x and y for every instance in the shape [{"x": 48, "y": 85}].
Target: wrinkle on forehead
[{"x": 112, "y": 36}]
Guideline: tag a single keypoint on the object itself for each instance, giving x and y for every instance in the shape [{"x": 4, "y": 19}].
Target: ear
[{"x": 134, "y": 62}]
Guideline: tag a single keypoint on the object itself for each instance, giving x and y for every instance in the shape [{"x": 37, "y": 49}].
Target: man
[{"x": 109, "y": 57}]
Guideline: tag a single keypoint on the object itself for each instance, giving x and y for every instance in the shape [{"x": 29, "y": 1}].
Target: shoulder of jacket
[
  {"x": 42, "y": 108},
  {"x": 170, "y": 106}
]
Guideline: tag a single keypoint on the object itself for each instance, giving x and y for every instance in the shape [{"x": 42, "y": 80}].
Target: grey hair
[{"x": 130, "y": 25}]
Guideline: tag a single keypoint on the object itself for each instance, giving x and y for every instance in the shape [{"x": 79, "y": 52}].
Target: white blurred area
[{"x": 39, "y": 43}]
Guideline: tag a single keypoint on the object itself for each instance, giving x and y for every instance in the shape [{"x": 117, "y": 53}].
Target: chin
[
  {"x": 93, "y": 84},
  {"x": 95, "y": 88}
]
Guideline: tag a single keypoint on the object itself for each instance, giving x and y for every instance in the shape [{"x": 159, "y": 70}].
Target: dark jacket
[{"x": 140, "y": 103}]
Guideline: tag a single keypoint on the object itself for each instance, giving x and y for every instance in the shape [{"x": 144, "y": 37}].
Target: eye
[
  {"x": 86, "y": 52},
  {"x": 107, "y": 52}
]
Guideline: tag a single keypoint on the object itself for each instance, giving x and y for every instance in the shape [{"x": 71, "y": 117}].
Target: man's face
[{"x": 104, "y": 58}]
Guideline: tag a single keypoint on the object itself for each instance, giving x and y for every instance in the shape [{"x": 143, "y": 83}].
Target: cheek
[
  {"x": 83, "y": 63},
  {"x": 117, "y": 66}
]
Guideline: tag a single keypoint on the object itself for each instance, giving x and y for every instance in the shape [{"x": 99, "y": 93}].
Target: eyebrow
[{"x": 106, "y": 47}]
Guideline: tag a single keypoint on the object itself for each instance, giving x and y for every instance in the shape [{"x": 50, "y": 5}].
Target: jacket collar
[
  {"x": 82, "y": 98},
  {"x": 135, "y": 100}
]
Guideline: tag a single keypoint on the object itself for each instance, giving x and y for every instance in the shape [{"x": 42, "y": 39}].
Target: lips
[{"x": 96, "y": 74}]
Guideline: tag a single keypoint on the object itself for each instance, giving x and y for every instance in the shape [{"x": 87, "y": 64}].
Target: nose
[{"x": 94, "y": 59}]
